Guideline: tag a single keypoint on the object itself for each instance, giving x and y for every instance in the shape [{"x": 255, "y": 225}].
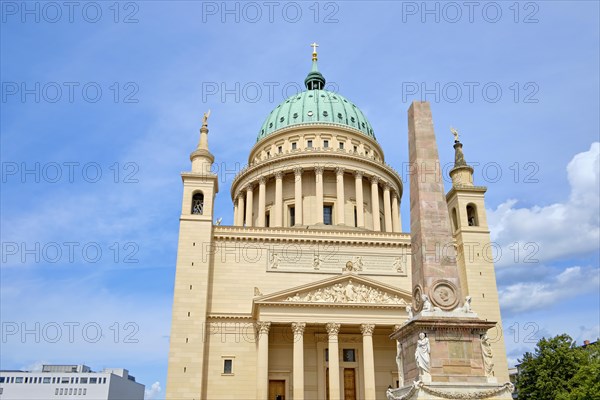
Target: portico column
[
  {"x": 360, "y": 209},
  {"x": 396, "y": 225},
  {"x": 298, "y": 377},
  {"x": 334, "y": 361},
  {"x": 278, "y": 199},
  {"x": 262, "y": 364},
  {"x": 375, "y": 203},
  {"x": 369, "y": 362},
  {"x": 340, "y": 196},
  {"x": 261, "y": 201},
  {"x": 319, "y": 193},
  {"x": 298, "y": 195},
  {"x": 241, "y": 209},
  {"x": 249, "y": 205},
  {"x": 387, "y": 208}
]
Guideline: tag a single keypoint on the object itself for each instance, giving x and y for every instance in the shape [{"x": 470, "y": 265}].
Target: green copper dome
[{"x": 315, "y": 106}]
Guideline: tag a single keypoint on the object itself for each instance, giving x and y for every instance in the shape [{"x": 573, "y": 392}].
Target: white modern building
[{"x": 70, "y": 382}]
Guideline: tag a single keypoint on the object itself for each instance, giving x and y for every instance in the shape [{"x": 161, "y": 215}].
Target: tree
[{"x": 559, "y": 370}]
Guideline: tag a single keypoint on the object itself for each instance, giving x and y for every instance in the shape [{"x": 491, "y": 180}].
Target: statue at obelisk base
[{"x": 446, "y": 350}]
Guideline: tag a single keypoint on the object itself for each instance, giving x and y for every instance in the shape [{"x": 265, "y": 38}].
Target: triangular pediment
[{"x": 347, "y": 289}]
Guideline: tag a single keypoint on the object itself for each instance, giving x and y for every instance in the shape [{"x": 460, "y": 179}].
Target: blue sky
[{"x": 102, "y": 104}]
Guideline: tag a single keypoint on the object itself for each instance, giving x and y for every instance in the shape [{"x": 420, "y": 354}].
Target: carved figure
[
  {"x": 422, "y": 351},
  {"x": 399, "y": 363},
  {"x": 274, "y": 261},
  {"x": 398, "y": 265},
  {"x": 409, "y": 311},
  {"x": 317, "y": 261},
  {"x": 358, "y": 263},
  {"x": 486, "y": 351},
  {"x": 205, "y": 118},
  {"x": 467, "y": 306},
  {"x": 455, "y": 133},
  {"x": 426, "y": 303},
  {"x": 257, "y": 291}
]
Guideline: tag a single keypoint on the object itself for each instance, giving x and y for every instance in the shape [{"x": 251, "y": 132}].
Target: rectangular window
[
  {"x": 327, "y": 215},
  {"x": 55, "y": 391},
  {"x": 341, "y": 145},
  {"x": 349, "y": 355},
  {"x": 70, "y": 391},
  {"x": 84, "y": 391},
  {"x": 46, "y": 380},
  {"x": 72, "y": 380},
  {"x": 2, "y": 379},
  {"x": 26, "y": 379},
  {"x": 325, "y": 143},
  {"x": 103, "y": 380},
  {"x": 93, "y": 380},
  {"x": 292, "y": 216},
  {"x": 83, "y": 380},
  {"x": 355, "y": 218},
  {"x": 268, "y": 154},
  {"x": 293, "y": 145},
  {"x": 309, "y": 144},
  {"x": 355, "y": 149},
  {"x": 227, "y": 366},
  {"x": 326, "y": 355},
  {"x": 64, "y": 380},
  {"x": 280, "y": 149},
  {"x": 268, "y": 219},
  {"x": 61, "y": 391}
]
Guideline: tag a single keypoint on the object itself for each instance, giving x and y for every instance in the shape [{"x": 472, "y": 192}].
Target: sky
[{"x": 101, "y": 106}]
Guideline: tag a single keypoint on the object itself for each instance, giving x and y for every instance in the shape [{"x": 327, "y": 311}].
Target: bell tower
[
  {"x": 466, "y": 205},
  {"x": 194, "y": 260}
]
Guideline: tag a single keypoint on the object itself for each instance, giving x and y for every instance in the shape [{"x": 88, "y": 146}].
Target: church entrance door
[
  {"x": 276, "y": 389},
  {"x": 349, "y": 384}
]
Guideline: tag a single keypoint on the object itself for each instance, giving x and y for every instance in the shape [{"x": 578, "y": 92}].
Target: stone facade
[{"x": 261, "y": 307}]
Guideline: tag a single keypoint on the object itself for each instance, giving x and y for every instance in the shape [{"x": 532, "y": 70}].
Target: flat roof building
[{"x": 70, "y": 382}]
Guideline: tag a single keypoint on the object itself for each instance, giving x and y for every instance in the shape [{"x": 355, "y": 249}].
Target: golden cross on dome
[{"x": 314, "y": 45}]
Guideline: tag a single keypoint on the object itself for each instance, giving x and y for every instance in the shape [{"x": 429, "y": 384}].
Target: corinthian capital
[
  {"x": 332, "y": 329},
  {"x": 298, "y": 328},
  {"x": 262, "y": 327},
  {"x": 367, "y": 329}
]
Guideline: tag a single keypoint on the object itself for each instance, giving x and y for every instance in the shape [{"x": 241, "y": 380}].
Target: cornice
[{"x": 287, "y": 235}]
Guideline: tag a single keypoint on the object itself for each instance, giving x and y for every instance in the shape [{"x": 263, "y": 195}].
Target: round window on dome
[
  {"x": 325, "y": 113},
  {"x": 281, "y": 119},
  {"x": 362, "y": 124},
  {"x": 310, "y": 113},
  {"x": 270, "y": 125},
  {"x": 295, "y": 115},
  {"x": 340, "y": 115},
  {"x": 352, "y": 119}
]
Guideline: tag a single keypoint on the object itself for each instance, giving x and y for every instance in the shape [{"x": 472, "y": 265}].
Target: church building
[{"x": 298, "y": 299}]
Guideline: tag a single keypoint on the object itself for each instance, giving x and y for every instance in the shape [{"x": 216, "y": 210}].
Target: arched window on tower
[
  {"x": 472, "y": 215},
  {"x": 454, "y": 218},
  {"x": 198, "y": 203}
]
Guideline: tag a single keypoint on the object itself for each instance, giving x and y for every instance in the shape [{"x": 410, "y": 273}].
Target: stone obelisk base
[{"x": 456, "y": 368}]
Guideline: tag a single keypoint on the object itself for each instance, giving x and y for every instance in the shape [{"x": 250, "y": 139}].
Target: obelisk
[{"x": 434, "y": 269}]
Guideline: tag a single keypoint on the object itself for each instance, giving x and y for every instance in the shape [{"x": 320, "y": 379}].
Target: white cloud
[
  {"x": 571, "y": 282},
  {"x": 558, "y": 230},
  {"x": 152, "y": 391}
]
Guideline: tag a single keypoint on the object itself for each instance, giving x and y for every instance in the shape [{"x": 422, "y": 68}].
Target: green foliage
[{"x": 559, "y": 370}]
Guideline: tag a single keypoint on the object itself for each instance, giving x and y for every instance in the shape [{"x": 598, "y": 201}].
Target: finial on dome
[
  {"x": 314, "y": 80},
  {"x": 455, "y": 133},
  {"x": 314, "y": 45}
]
